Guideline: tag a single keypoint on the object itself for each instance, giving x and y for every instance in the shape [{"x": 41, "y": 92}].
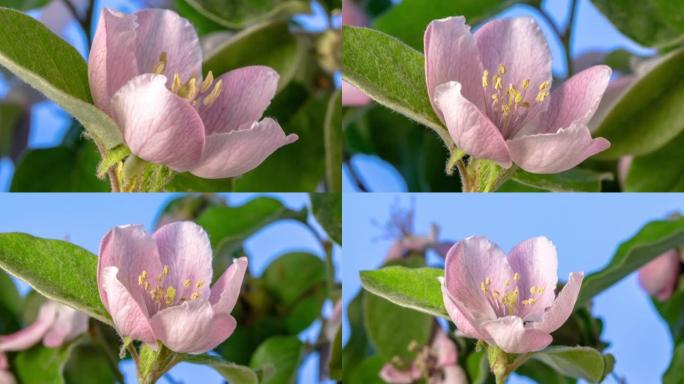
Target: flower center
[
  {"x": 506, "y": 302},
  {"x": 509, "y": 105},
  {"x": 190, "y": 90},
  {"x": 166, "y": 295}
]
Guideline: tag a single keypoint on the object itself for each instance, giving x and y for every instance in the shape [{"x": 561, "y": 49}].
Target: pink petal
[
  {"x": 6, "y": 378},
  {"x": 161, "y": 30},
  {"x": 509, "y": 334},
  {"x": 466, "y": 323},
  {"x": 563, "y": 306},
  {"x": 520, "y": 46},
  {"x": 185, "y": 249},
  {"x": 451, "y": 54},
  {"x": 555, "y": 152},
  {"x": 192, "y": 327},
  {"x": 659, "y": 277},
  {"x": 470, "y": 129},
  {"x": 27, "y": 337},
  {"x": 112, "y": 57},
  {"x": 353, "y": 97},
  {"x": 226, "y": 290},
  {"x": 4, "y": 364},
  {"x": 131, "y": 250},
  {"x": 470, "y": 263},
  {"x": 536, "y": 262},
  {"x": 157, "y": 125},
  {"x": 391, "y": 374},
  {"x": 444, "y": 349},
  {"x": 237, "y": 152},
  {"x": 246, "y": 93},
  {"x": 454, "y": 375},
  {"x": 352, "y": 14},
  {"x": 69, "y": 324},
  {"x": 130, "y": 319},
  {"x": 576, "y": 100}
]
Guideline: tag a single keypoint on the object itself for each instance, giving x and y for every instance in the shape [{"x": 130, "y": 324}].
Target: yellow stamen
[
  {"x": 170, "y": 295},
  {"x": 161, "y": 65},
  {"x": 142, "y": 278},
  {"x": 186, "y": 283},
  {"x": 199, "y": 284},
  {"x": 525, "y": 84},
  {"x": 497, "y": 82},
  {"x": 207, "y": 82},
  {"x": 176, "y": 86},
  {"x": 215, "y": 93},
  {"x": 485, "y": 79},
  {"x": 516, "y": 276},
  {"x": 192, "y": 89},
  {"x": 502, "y": 69},
  {"x": 194, "y": 296}
]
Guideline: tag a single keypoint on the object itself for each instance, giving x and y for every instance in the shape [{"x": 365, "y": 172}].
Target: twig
[
  {"x": 354, "y": 175},
  {"x": 564, "y": 36}
]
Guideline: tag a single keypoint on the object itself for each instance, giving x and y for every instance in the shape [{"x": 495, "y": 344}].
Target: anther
[
  {"x": 176, "y": 85},
  {"x": 485, "y": 79},
  {"x": 170, "y": 295},
  {"x": 199, "y": 284},
  {"x": 525, "y": 84},
  {"x": 215, "y": 93},
  {"x": 516, "y": 276},
  {"x": 207, "y": 82},
  {"x": 497, "y": 82},
  {"x": 161, "y": 65},
  {"x": 187, "y": 283},
  {"x": 191, "y": 90},
  {"x": 194, "y": 296},
  {"x": 502, "y": 69}
]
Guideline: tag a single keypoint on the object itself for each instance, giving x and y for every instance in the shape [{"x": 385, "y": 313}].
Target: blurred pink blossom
[
  {"x": 660, "y": 276},
  {"x": 507, "y": 301}
]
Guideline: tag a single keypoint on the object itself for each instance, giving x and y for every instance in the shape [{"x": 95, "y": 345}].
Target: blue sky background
[
  {"x": 592, "y": 32},
  {"x": 86, "y": 218},
  {"x": 586, "y": 229}
]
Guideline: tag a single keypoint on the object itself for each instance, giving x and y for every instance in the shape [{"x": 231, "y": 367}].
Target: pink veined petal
[
  {"x": 444, "y": 349},
  {"x": 468, "y": 265},
  {"x": 112, "y": 57},
  {"x": 226, "y": 290},
  {"x": 464, "y": 320},
  {"x": 555, "y": 152},
  {"x": 659, "y": 277},
  {"x": 468, "y": 126},
  {"x": 237, "y": 152},
  {"x": 353, "y": 97},
  {"x": 536, "y": 262},
  {"x": 192, "y": 327},
  {"x": 563, "y": 306},
  {"x": 27, "y": 337},
  {"x": 391, "y": 374},
  {"x": 451, "y": 54},
  {"x": 69, "y": 323},
  {"x": 130, "y": 319},
  {"x": 161, "y": 30},
  {"x": 131, "y": 250},
  {"x": 575, "y": 101},
  {"x": 185, "y": 248},
  {"x": 246, "y": 93},
  {"x": 157, "y": 125},
  {"x": 509, "y": 334}
]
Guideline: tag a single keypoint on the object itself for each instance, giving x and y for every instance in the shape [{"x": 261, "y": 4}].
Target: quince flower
[
  {"x": 145, "y": 71},
  {"x": 492, "y": 90},
  {"x": 156, "y": 287},
  {"x": 507, "y": 301}
]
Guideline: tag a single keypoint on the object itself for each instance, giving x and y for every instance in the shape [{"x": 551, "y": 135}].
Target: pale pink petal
[
  {"x": 185, "y": 249},
  {"x": 112, "y": 57},
  {"x": 520, "y": 46},
  {"x": 659, "y": 277},
  {"x": 27, "y": 337},
  {"x": 555, "y": 152},
  {"x": 69, "y": 324},
  {"x": 247, "y": 92},
  {"x": 226, "y": 290},
  {"x": 4, "y": 364},
  {"x": 466, "y": 323},
  {"x": 130, "y": 319},
  {"x": 454, "y": 375},
  {"x": 352, "y": 96},
  {"x": 444, "y": 349},
  {"x": 451, "y": 54},
  {"x": 470, "y": 129},
  {"x": 509, "y": 334},
  {"x": 563, "y": 306},
  {"x": 237, "y": 152},
  {"x": 536, "y": 262},
  {"x": 192, "y": 327},
  {"x": 131, "y": 250},
  {"x": 6, "y": 378},
  {"x": 575, "y": 101},
  {"x": 352, "y": 14},
  {"x": 157, "y": 125},
  {"x": 469, "y": 264},
  {"x": 161, "y": 30},
  {"x": 391, "y": 374}
]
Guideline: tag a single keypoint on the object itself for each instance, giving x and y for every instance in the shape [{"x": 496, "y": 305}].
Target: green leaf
[
  {"x": 368, "y": 372},
  {"x": 327, "y": 209},
  {"x": 88, "y": 364},
  {"x": 9, "y": 296},
  {"x": 335, "y": 360},
  {"x": 669, "y": 163},
  {"x": 42, "y": 365},
  {"x": 476, "y": 367},
  {"x": 542, "y": 373},
  {"x": 574, "y": 180},
  {"x": 409, "y": 19},
  {"x": 671, "y": 311},
  {"x": 202, "y": 24},
  {"x": 269, "y": 44},
  {"x": 391, "y": 337},
  {"x": 238, "y": 14},
  {"x": 292, "y": 275},
  {"x": 333, "y": 143},
  {"x": 187, "y": 182},
  {"x": 232, "y": 372},
  {"x": 57, "y": 269},
  {"x": 357, "y": 346},
  {"x": 415, "y": 288},
  {"x": 24, "y": 5},
  {"x": 652, "y": 23},
  {"x": 390, "y": 72},
  {"x": 579, "y": 362},
  {"x": 61, "y": 169},
  {"x": 299, "y": 166},
  {"x": 46, "y": 62},
  {"x": 649, "y": 114},
  {"x": 652, "y": 240},
  {"x": 14, "y": 129},
  {"x": 282, "y": 354},
  {"x": 675, "y": 372}
]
